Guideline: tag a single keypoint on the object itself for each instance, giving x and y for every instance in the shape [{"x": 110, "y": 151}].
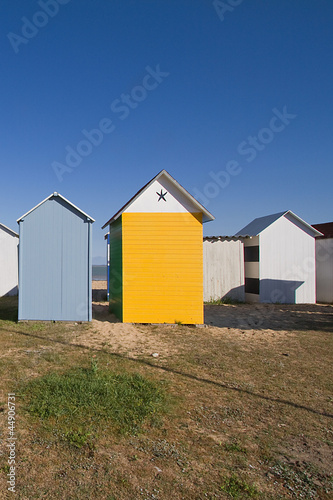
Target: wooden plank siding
[
  {"x": 162, "y": 268},
  {"x": 55, "y": 263},
  {"x": 8, "y": 261}
]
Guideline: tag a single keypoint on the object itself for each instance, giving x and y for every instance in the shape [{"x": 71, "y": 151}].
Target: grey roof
[
  {"x": 261, "y": 223},
  {"x": 8, "y": 230},
  {"x": 258, "y": 225}
]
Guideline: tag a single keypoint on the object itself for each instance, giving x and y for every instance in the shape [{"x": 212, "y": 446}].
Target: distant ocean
[{"x": 99, "y": 273}]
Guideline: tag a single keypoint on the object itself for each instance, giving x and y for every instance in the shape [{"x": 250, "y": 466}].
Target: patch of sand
[{"x": 126, "y": 338}]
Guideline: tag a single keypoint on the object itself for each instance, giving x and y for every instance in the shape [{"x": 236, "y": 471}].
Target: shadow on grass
[
  {"x": 301, "y": 317},
  {"x": 277, "y": 317},
  {"x": 182, "y": 374},
  {"x": 9, "y": 309},
  {"x": 8, "y": 312}
]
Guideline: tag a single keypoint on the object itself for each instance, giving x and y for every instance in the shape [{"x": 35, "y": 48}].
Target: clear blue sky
[{"x": 192, "y": 88}]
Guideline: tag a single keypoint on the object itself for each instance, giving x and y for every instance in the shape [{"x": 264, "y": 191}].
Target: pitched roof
[
  {"x": 326, "y": 229},
  {"x": 207, "y": 216},
  {"x": 5, "y": 228},
  {"x": 53, "y": 195},
  {"x": 261, "y": 223}
]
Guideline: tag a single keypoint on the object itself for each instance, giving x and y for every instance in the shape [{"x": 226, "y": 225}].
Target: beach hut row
[
  {"x": 156, "y": 273},
  {"x": 271, "y": 260},
  {"x": 160, "y": 267}
]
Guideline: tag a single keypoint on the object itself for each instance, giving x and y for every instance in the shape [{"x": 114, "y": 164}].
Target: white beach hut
[
  {"x": 8, "y": 261},
  {"x": 279, "y": 259}
]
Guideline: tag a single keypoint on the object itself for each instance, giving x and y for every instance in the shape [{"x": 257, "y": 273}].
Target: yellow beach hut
[{"x": 156, "y": 255}]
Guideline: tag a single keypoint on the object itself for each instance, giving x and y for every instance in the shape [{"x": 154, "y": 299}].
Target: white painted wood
[
  {"x": 148, "y": 201},
  {"x": 223, "y": 269},
  {"x": 287, "y": 263},
  {"x": 186, "y": 200},
  {"x": 8, "y": 262},
  {"x": 324, "y": 265}
]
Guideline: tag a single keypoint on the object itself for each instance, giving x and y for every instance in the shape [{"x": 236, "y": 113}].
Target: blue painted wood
[{"x": 55, "y": 263}]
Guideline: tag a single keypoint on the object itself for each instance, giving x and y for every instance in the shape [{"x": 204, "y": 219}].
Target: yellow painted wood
[{"x": 162, "y": 268}]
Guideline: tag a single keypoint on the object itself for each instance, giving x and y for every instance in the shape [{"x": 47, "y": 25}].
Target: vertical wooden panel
[
  {"x": 223, "y": 269},
  {"x": 287, "y": 263},
  {"x": 55, "y": 263},
  {"x": 8, "y": 261},
  {"x": 116, "y": 269}
]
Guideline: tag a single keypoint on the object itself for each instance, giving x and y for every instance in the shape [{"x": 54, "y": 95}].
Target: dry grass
[{"x": 251, "y": 413}]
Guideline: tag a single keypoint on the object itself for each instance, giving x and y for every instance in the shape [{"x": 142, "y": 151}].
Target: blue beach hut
[{"x": 55, "y": 262}]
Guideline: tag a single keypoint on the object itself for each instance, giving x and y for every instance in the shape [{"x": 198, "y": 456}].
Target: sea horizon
[{"x": 99, "y": 272}]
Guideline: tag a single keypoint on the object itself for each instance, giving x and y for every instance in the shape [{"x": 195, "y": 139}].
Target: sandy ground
[
  {"x": 134, "y": 340},
  {"x": 267, "y": 322}
]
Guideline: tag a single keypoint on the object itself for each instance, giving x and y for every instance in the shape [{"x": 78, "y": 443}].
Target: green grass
[
  {"x": 8, "y": 309},
  {"x": 79, "y": 403},
  {"x": 223, "y": 300},
  {"x": 301, "y": 483},
  {"x": 222, "y": 413},
  {"x": 237, "y": 488},
  {"x": 234, "y": 446}
]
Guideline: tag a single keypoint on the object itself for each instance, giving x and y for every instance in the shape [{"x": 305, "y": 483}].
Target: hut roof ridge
[
  {"x": 55, "y": 194},
  {"x": 208, "y": 215},
  {"x": 258, "y": 225}
]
